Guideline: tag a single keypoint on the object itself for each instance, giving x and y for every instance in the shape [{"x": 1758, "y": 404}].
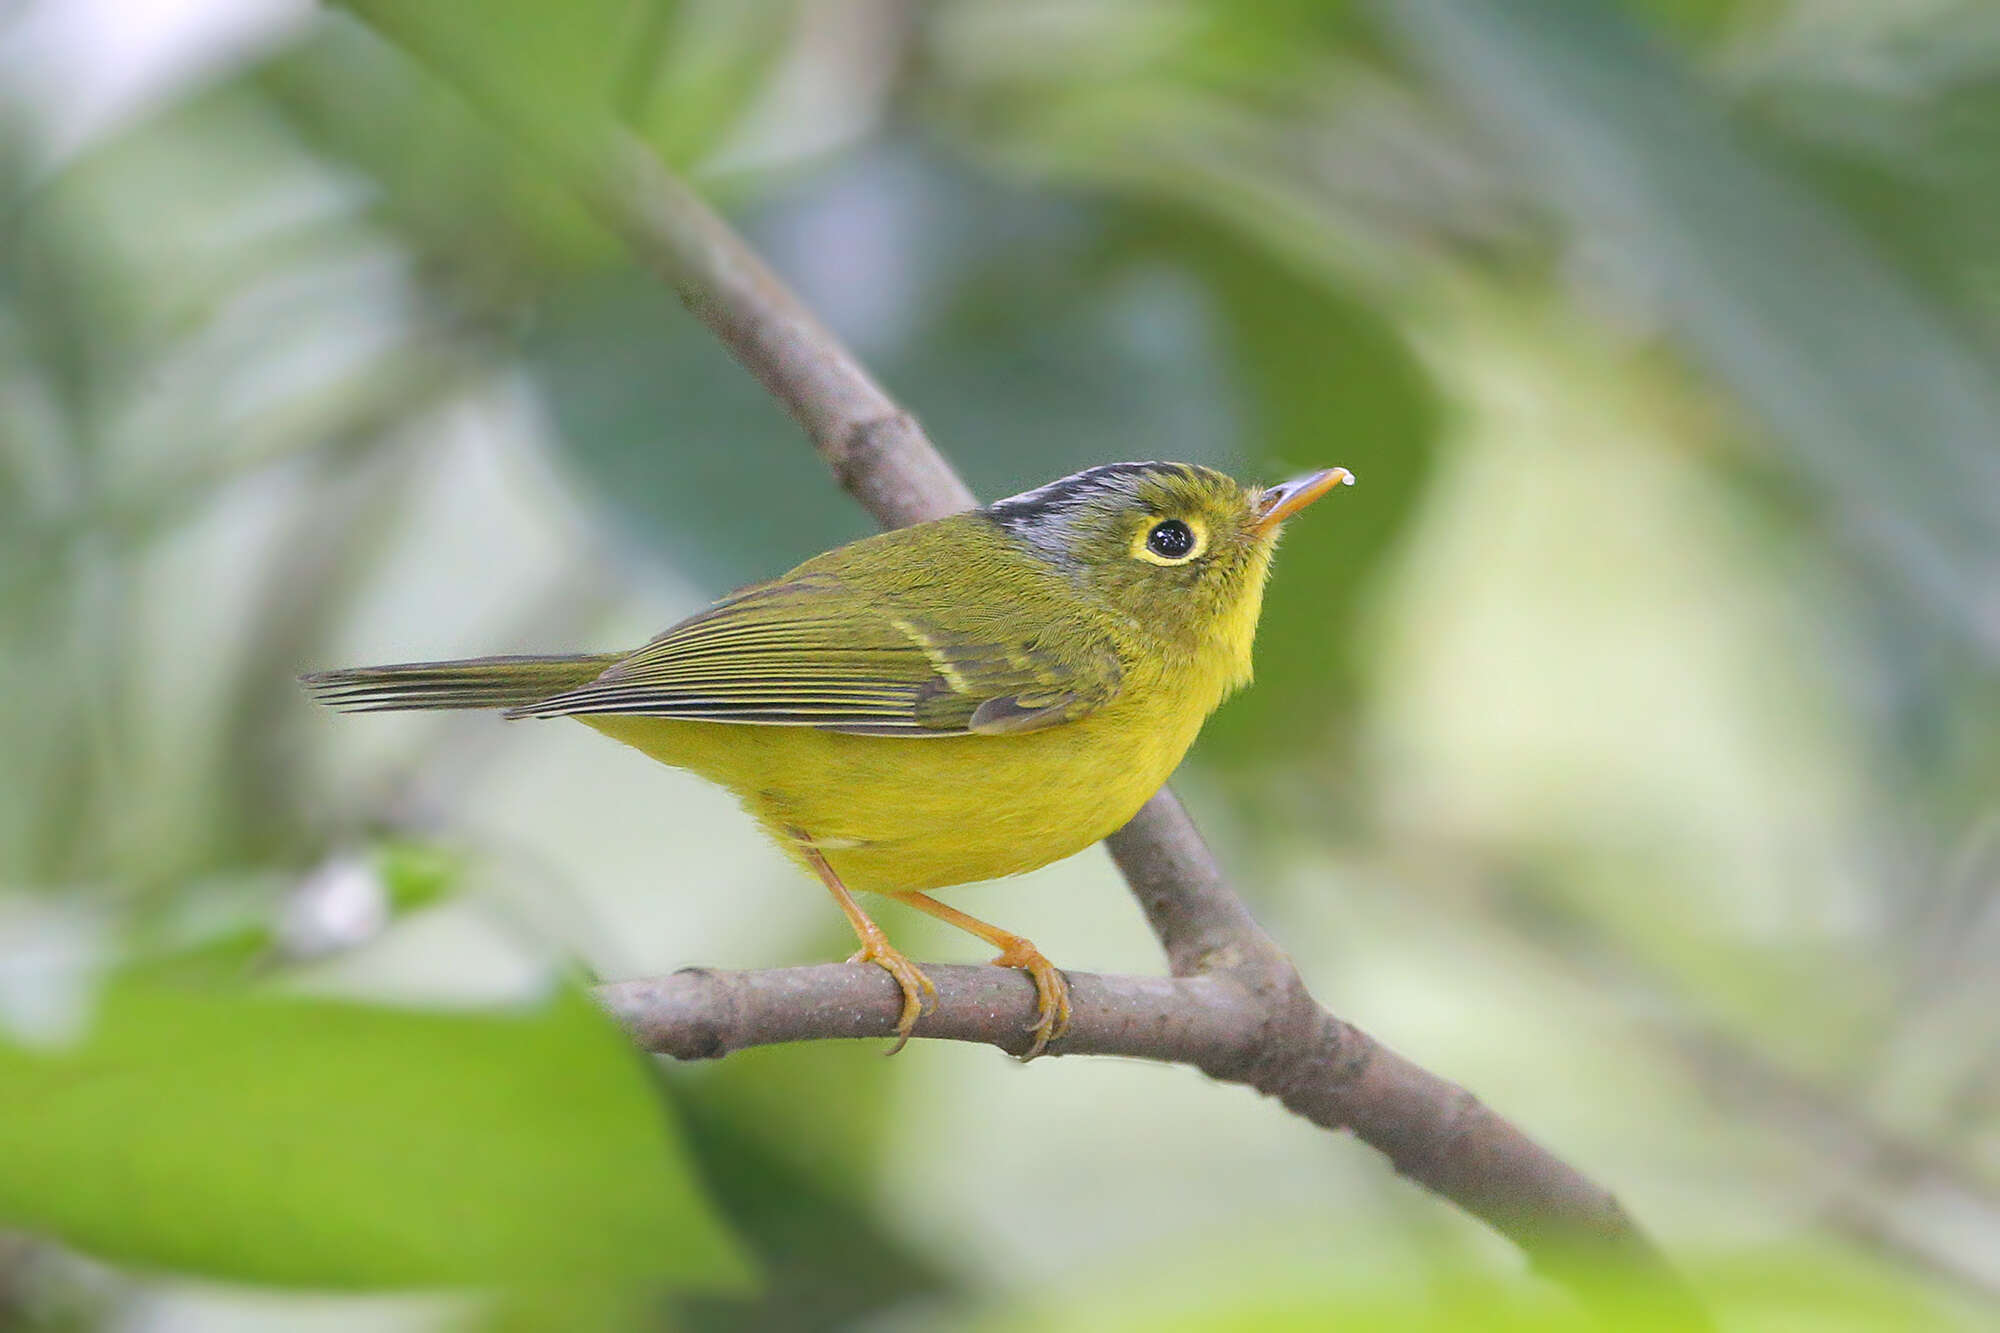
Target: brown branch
[
  {"x": 702, "y": 1014},
  {"x": 1236, "y": 1007}
]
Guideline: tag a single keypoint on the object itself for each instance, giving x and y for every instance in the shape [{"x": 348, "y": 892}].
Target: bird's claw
[
  {"x": 919, "y": 992},
  {"x": 1052, "y": 1007}
]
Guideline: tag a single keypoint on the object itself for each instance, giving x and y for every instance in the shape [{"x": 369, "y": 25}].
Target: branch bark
[{"x": 1235, "y": 1006}]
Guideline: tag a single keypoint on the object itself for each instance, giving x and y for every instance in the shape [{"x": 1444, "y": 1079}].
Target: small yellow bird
[{"x": 957, "y": 700}]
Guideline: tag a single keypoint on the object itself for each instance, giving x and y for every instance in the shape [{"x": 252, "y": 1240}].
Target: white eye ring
[{"x": 1172, "y": 541}]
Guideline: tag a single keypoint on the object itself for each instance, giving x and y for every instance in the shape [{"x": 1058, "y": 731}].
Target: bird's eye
[{"x": 1171, "y": 540}]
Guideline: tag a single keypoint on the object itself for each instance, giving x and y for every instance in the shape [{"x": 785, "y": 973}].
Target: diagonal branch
[{"x": 1235, "y": 1008}]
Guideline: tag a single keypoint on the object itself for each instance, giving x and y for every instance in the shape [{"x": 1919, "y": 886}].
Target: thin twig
[{"x": 1236, "y": 1007}]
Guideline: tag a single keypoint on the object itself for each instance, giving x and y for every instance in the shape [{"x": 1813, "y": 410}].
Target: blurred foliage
[
  {"x": 791, "y": 1179},
  {"x": 1801, "y": 1289},
  {"x": 309, "y": 1142},
  {"x": 1883, "y": 405},
  {"x": 1323, "y": 377},
  {"x": 1635, "y": 721}
]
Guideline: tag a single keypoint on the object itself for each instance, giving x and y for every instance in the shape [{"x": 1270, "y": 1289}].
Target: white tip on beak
[{"x": 1280, "y": 502}]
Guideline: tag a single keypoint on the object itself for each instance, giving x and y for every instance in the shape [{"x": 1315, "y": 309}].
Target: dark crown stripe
[{"x": 1079, "y": 488}]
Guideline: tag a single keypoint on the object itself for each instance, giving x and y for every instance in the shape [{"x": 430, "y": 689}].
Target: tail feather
[{"x": 479, "y": 682}]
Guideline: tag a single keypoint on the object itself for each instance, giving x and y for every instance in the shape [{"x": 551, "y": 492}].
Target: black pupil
[{"x": 1170, "y": 540}]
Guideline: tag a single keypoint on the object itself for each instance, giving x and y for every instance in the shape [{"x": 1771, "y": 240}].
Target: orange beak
[{"x": 1281, "y": 502}]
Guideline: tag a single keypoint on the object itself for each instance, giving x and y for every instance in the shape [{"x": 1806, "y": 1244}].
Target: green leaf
[
  {"x": 496, "y": 225},
  {"x": 263, "y": 1137},
  {"x": 566, "y": 67},
  {"x": 1260, "y": 45},
  {"x": 418, "y": 874},
  {"x": 492, "y": 225}
]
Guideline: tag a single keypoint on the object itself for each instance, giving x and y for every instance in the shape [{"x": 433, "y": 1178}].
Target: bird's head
[{"x": 1180, "y": 551}]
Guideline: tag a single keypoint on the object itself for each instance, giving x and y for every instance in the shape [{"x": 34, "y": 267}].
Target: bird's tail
[{"x": 479, "y": 682}]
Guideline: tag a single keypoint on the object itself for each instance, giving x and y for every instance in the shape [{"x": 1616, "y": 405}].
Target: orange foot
[
  {"x": 1052, "y": 1009},
  {"x": 919, "y": 994},
  {"x": 1052, "y": 1013}
]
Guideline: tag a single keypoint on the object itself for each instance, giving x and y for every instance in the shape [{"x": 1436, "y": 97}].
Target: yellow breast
[{"x": 895, "y": 815}]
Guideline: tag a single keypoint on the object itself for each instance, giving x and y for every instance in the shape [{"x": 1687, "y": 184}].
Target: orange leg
[
  {"x": 919, "y": 994},
  {"x": 1052, "y": 992}
]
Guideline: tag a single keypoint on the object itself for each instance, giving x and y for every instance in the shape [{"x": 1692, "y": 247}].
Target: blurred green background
[{"x": 1626, "y": 746}]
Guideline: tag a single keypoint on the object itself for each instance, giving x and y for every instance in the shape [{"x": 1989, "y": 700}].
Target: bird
[{"x": 958, "y": 700}]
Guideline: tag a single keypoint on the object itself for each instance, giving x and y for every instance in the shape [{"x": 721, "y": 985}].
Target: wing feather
[{"x": 813, "y": 651}]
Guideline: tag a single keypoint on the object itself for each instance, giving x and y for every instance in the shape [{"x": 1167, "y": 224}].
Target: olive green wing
[{"x": 812, "y": 651}]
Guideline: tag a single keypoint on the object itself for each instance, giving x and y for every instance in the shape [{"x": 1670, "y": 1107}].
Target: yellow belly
[{"x": 899, "y": 815}]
